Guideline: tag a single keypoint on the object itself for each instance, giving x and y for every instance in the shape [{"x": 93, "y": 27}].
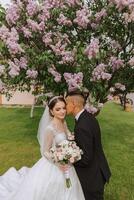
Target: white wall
[{"x": 24, "y": 98}]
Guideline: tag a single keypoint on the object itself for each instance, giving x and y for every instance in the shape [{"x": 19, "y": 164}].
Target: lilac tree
[{"x": 59, "y": 45}]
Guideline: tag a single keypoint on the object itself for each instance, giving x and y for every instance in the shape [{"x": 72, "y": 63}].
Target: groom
[{"x": 93, "y": 170}]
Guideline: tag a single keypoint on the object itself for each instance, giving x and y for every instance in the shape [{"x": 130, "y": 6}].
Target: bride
[{"x": 45, "y": 180}]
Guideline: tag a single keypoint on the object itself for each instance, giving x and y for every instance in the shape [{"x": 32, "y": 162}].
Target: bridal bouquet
[{"x": 67, "y": 152}]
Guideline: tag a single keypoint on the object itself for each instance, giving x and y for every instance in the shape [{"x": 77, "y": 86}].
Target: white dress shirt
[{"x": 78, "y": 114}]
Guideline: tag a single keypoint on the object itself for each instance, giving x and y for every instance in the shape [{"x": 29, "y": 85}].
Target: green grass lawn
[{"x": 19, "y": 146}]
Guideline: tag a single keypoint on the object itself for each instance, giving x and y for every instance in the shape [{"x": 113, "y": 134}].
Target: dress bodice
[{"x": 59, "y": 136}]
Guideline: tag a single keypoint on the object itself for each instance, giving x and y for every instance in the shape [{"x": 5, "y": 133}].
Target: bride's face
[{"x": 59, "y": 110}]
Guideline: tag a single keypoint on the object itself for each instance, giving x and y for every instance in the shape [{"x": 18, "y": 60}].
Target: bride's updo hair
[{"x": 52, "y": 102}]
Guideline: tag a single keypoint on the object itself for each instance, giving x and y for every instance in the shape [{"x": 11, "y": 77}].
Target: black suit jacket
[{"x": 92, "y": 170}]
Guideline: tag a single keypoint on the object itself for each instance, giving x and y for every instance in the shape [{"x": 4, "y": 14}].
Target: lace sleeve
[{"x": 48, "y": 141}]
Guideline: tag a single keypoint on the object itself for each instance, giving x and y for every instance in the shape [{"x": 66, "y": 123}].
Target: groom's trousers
[{"x": 94, "y": 196}]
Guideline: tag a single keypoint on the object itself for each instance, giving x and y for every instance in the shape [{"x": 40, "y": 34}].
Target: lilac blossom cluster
[
  {"x": 82, "y": 17},
  {"x": 99, "y": 73},
  {"x": 121, "y": 4},
  {"x": 60, "y": 50},
  {"x": 74, "y": 81},
  {"x": 16, "y": 65},
  {"x": 13, "y": 14},
  {"x": 93, "y": 109},
  {"x": 129, "y": 16},
  {"x": 47, "y": 38},
  {"x": 92, "y": 49},
  {"x": 62, "y": 20},
  {"x": 55, "y": 74},
  {"x": 32, "y": 74},
  {"x": 11, "y": 38},
  {"x": 32, "y": 8},
  {"x": 116, "y": 63},
  {"x": 73, "y": 2},
  {"x": 99, "y": 15}
]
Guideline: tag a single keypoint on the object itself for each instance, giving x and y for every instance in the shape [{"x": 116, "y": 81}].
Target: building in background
[{"x": 19, "y": 98}]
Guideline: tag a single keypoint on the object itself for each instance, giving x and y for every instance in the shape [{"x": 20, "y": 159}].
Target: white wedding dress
[{"x": 44, "y": 181}]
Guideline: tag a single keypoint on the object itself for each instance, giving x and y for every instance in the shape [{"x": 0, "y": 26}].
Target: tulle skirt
[{"x": 44, "y": 181}]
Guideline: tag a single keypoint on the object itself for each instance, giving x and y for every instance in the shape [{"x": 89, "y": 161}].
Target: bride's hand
[
  {"x": 71, "y": 136},
  {"x": 63, "y": 167}
]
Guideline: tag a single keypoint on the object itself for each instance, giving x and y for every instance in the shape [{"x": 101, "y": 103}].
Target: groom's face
[{"x": 69, "y": 105}]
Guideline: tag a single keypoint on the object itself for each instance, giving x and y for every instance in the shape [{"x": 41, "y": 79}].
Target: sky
[{"x": 4, "y": 2}]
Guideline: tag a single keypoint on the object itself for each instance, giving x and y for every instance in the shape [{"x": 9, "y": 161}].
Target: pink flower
[
  {"x": 12, "y": 14},
  {"x": 42, "y": 26},
  {"x": 4, "y": 33},
  {"x": 94, "y": 25},
  {"x": 50, "y": 4},
  {"x": 99, "y": 73},
  {"x": 109, "y": 97},
  {"x": 14, "y": 69},
  {"x": 91, "y": 109},
  {"x": 92, "y": 49},
  {"x": 64, "y": 21},
  {"x": 67, "y": 57},
  {"x": 57, "y": 76},
  {"x": 73, "y": 2},
  {"x": 116, "y": 63},
  {"x": 32, "y": 74},
  {"x": 14, "y": 48},
  {"x": 32, "y": 7},
  {"x": 72, "y": 160},
  {"x": 27, "y": 32},
  {"x": 100, "y": 15},
  {"x": 34, "y": 26},
  {"x": 18, "y": 64},
  {"x": 74, "y": 81},
  {"x": 13, "y": 36},
  {"x": 23, "y": 63},
  {"x": 11, "y": 40},
  {"x": 47, "y": 38},
  {"x": 82, "y": 17},
  {"x": 120, "y": 4},
  {"x": 59, "y": 48},
  {"x": 45, "y": 13}
]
